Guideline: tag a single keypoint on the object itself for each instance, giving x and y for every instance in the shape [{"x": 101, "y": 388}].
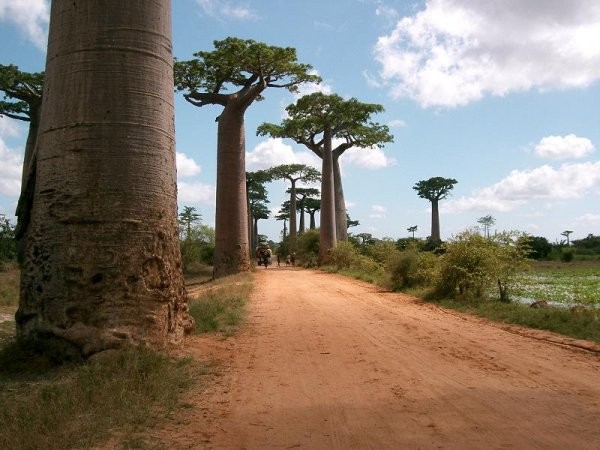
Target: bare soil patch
[{"x": 325, "y": 362}]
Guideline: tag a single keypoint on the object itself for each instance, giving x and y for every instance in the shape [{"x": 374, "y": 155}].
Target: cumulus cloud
[
  {"x": 368, "y": 158},
  {"x": 30, "y": 16},
  {"x": 564, "y": 147},
  {"x": 378, "y": 212},
  {"x": 224, "y": 9},
  {"x": 543, "y": 183},
  {"x": 186, "y": 166},
  {"x": 196, "y": 193},
  {"x": 454, "y": 52},
  {"x": 274, "y": 152},
  {"x": 11, "y": 163}
]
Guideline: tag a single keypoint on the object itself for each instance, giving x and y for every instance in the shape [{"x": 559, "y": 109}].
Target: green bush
[
  {"x": 473, "y": 264},
  {"x": 344, "y": 255},
  {"x": 307, "y": 247},
  {"x": 412, "y": 268},
  {"x": 567, "y": 254}
]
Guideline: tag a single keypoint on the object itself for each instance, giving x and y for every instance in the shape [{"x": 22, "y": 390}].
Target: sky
[{"x": 501, "y": 95}]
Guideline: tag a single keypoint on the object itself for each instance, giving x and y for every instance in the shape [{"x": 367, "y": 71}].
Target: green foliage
[
  {"x": 240, "y": 64},
  {"x": 222, "y": 307},
  {"x": 473, "y": 264},
  {"x": 567, "y": 254},
  {"x": 436, "y": 188},
  {"x": 412, "y": 268},
  {"x": 8, "y": 244},
  {"x": 590, "y": 245},
  {"x": 22, "y": 92},
  {"x": 381, "y": 250},
  {"x": 197, "y": 248},
  {"x": 539, "y": 247},
  {"x": 188, "y": 217},
  {"x": 307, "y": 247},
  {"x": 348, "y": 120},
  {"x": 79, "y": 406},
  {"x": 343, "y": 256}
]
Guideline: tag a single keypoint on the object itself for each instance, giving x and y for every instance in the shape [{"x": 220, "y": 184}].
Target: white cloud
[
  {"x": 368, "y": 158},
  {"x": 224, "y": 9},
  {"x": 186, "y": 166},
  {"x": 564, "y": 147},
  {"x": 9, "y": 127},
  {"x": 30, "y": 16},
  {"x": 454, "y": 52},
  {"x": 196, "y": 193},
  {"x": 378, "y": 212},
  {"x": 274, "y": 152},
  {"x": 543, "y": 183},
  {"x": 11, "y": 164},
  {"x": 311, "y": 88},
  {"x": 397, "y": 123},
  {"x": 589, "y": 219}
]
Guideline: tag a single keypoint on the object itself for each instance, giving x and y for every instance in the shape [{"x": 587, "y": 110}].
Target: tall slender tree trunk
[
  {"x": 341, "y": 220},
  {"x": 231, "y": 216},
  {"x": 293, "y": 226},
  {"x": 435, "y": 221},
  {"x": 327, "y": 231},
  {"x": 102, "y": 266},
  {"x": 301, "y": 227},
  {"x": 312, "y": 220}
]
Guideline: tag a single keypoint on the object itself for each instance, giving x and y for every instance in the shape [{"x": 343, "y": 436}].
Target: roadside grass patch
[
  {"x": 579, "y": 323},
  {"x": 222, "y": 306},
  {"x": 9, "y": 287},
  {"x": 80, "y": 405}
]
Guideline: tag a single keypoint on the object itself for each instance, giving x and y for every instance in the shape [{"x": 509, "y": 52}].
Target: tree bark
[
  {"x": 231, "y": 216},
  {"x": 293, "y": 227},
  {"x": 327, "y": 231},
  {"x": 435, "y": 221},
  {"x": 301, "y": 227},
  {"x": 341, "y": 221},
  {"x": 102, "y": 265}
]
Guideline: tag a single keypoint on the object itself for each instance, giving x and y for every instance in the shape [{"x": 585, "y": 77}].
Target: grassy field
[{"x": 561, "y": 284}]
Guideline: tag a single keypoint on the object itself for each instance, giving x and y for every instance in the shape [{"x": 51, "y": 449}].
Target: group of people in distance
[{"x": 264, "y": 254}]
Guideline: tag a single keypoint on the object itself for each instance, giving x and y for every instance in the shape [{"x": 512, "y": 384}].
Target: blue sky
[{"x": 501, "y": 95}]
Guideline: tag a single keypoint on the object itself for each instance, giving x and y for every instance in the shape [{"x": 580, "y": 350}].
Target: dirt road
[{"x": 325, "y": 362}]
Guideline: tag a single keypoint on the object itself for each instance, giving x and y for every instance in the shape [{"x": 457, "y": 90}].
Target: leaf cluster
[
  {"x": 349, "y": 120},
  {"x": 240, "y": 64},
  {"x": 436, "y": 188},
  {"x": 22, "y": 92}
]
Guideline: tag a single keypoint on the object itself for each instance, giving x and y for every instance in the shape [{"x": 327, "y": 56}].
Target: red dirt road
[{"x": 325, "y": 362}]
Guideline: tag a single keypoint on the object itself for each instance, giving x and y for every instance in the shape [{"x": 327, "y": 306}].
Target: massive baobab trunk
[
  {"x": 435, "y": 221},
  {"x": 102, "y": 266},
  {"x": 327, "y": 229},
  {"x": 231, "y": 214},
  {"x": 341, "y": 221}
]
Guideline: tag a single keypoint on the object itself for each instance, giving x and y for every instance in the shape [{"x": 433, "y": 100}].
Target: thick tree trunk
[
  {"x": 327, "y": 231},
  {"x": 301, "y": 227},
  {"x": 293, "y": 226},
  {"x": 312, "y": 220},
  {"x": 102, "y": 263},
  {"x": 341, "y": 221},
  {"x": 231, "y": 218},
  {"x": 435, "y": 221}
]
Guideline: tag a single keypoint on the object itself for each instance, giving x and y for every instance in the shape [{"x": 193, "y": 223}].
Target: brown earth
[{"x": 324, "y": 362}]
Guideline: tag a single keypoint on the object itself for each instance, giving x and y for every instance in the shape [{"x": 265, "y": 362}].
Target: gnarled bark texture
[{"x": 102, "y": 266}]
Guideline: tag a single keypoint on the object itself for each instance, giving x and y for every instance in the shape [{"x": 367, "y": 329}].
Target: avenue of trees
[{"x": 233, "y": 76}]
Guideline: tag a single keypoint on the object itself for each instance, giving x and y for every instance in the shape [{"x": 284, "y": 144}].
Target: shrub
[
  {"x": 307, "y": 246},
  {"x": 567, "y": 254},
  {"x": 412, "y": 268},
  {"x": 343, "y": 255},
  {"x": 473, "y": 264}
]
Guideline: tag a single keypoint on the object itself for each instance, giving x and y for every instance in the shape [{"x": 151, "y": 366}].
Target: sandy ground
[{"x": 325, "y": 362}]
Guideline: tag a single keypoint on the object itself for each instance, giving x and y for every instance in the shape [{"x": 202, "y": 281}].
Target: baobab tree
[
  {"x": 487, "y": 222},
  {"x": 566, "y": 234},
  {"x": 435, "y": 189},
  {"x": 315, "y": 121},
  {"x": 302, "y": 195},
  {"x": 101, "y": 265},
  {"x": 233, "y": 76},
  {"x": 294, "y": 173},
  {"x": 22, "y": 101},
  {"x": 256, "y": 192},
  {"x": 312, "y": 205},
  {"x": 412, "y": 230}
]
